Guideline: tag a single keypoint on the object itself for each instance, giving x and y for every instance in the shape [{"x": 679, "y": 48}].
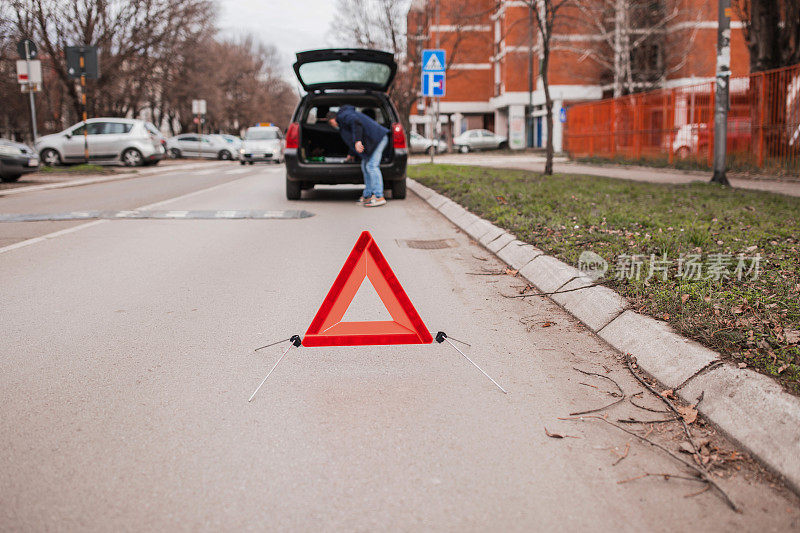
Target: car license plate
[{"x": 33, "y": 162}]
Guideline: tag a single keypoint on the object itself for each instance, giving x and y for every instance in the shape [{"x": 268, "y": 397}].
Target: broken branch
[
  {"x": 702, "y": 472},
  {"x": 615, "y": 402}
]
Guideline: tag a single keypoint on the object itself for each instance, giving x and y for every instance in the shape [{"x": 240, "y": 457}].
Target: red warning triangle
[{"x": 366, "y": 261}]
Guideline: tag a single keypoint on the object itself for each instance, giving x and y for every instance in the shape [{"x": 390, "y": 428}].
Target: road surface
[{"x": 127, "y": 360}]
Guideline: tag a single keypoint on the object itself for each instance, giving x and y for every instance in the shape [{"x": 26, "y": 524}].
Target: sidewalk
[{"x": 536, "y": 162}]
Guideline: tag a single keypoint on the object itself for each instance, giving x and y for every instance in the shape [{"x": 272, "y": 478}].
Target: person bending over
[{"x": 365, "y": 139}]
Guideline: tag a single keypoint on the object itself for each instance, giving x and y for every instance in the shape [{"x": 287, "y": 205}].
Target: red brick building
[{"x": 493, "y": 84}]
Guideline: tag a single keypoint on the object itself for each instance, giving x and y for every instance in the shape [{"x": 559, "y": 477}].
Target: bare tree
[
  {"x": 381, "y": 24},
  {"x": 155, "y": 57},
  {"x": 772, "y": 31},
  {"x": 546, "y": 13},
  {"x": 629, "y": 41}
]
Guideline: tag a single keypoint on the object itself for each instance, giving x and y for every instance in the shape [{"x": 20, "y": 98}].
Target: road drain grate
[{"x": 436, "y": 244}]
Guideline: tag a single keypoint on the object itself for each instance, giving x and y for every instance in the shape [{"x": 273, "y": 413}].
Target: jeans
[{"x": 371, "y": 168}]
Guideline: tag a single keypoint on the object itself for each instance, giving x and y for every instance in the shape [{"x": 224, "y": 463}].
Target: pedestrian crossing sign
[{"x": 433, "y": 61}]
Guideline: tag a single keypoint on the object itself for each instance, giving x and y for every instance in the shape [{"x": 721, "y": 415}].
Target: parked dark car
[
  {"x": 16, "y": 159},
  {"x": 315, "y": 153}
]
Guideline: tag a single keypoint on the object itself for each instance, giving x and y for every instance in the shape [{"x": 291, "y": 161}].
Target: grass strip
[{"x": 683, "y": 241}]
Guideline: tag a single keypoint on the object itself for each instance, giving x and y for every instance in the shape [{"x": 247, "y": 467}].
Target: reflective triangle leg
[
  {"x": 270, "y": 372},
  {"x": 476, "y": 366}
]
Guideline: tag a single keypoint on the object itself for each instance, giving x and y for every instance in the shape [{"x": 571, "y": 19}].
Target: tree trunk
[
  {"x": 619, "y": 23},
  {"x": 548, "y": 102}
]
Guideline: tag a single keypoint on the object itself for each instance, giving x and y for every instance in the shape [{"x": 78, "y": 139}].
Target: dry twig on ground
[
  {"x": 629, "y": 363},
  {"x": 701, "y": 471},
  {"x": 632, "y": 396},
  {"x": 615, "y": 402}
]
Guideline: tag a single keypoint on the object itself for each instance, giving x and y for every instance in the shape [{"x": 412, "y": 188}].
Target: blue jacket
[{"x": 355, "y": 126}]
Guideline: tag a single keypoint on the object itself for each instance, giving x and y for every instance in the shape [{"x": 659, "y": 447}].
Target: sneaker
[
  {"x": 375, "y": 202},
  {"x": 362, "y": 200}
]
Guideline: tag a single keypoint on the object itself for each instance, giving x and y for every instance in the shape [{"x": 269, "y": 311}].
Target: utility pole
[
  {"x": 83, "y": 101},
  {"x": 436, "y": 98},
  {"x": 529, "y": 114},
  {"x": 30, "y": 89},
  {"x": 723, "y": 92}
]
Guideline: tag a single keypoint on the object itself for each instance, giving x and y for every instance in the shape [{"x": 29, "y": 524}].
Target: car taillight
[
  {"x": 398, "y": 135},
  {"x": 293, "y": 135}
]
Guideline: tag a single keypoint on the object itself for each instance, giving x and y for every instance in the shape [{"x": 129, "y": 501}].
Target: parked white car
[
  {"x": 235, "y": 142},
  {"x": 195, "y": 145},
  {"x": 479, "y": 140},
  {"x": 130, "y": 141},
  {"x": 262, "y": 143},
  {"x": 420, "y": 144}
]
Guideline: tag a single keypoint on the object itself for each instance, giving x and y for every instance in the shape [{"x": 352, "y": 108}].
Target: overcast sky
[{"x": 291, "y": 25}]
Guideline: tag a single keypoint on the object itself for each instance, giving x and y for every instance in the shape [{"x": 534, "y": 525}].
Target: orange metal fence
[{"x": 678, "y": 124}]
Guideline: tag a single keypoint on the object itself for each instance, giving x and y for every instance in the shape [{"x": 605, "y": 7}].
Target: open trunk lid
[{"x": 345, "y": 68}]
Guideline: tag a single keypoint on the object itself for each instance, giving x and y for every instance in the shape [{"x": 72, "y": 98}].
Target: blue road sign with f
[
  {"x": 433, "y": 67},
  {"x": 433, "y": 84}
]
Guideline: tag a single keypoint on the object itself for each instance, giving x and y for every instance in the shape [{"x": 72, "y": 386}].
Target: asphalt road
[{"x": 127, "y": 360}]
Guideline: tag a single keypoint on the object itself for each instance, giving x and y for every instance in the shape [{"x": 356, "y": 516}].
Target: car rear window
[
  {"x": 261, "y": 135},
  {"x": 336, "y": 71}
]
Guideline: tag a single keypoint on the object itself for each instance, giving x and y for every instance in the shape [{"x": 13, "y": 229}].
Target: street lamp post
[{"x": 723, "y": 92}]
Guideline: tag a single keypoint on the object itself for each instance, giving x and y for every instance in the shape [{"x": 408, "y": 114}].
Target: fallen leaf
[
  {"x": 685, "y": 447},
  {"x": 684, "y": 298},
  {"x": 792, "y": 336},
  {"x": 742, "y": 365},
  {"x": 667, "y": 393},
  {"x": 511, "y": 272},
  {"x": 548, "y": 324},
  {"x": 666, "y": 316},
  {"x": 782, "y": 368},
  {"x": 688, "y": 413},
  {"x": 553, "y": 435},
  {"x": 736, "y": 310}
]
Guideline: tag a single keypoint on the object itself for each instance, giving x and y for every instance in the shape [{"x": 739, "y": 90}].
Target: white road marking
[
  {"x": 164, "y": 171},
  {"x": 80, "y": 227},
  {"x": 176, "y": 214},
  {"x": 225, "y": 214},
  {"x": 49, "y": 236}
]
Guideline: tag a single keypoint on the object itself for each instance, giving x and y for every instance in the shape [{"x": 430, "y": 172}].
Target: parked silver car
[
  {"x": 234, "y": 141},
  {"x": 419, "y": 144},
  {"x": 130, "y": 141},
  {"x": 195, "y": 145},
  {"x": 16, "y": 159},
  {"x": 262, "y": 143},
  {"x": 479, "y": 140}
]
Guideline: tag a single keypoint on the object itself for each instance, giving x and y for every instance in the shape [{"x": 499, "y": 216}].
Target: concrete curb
[{"x": 748, "y": 407}]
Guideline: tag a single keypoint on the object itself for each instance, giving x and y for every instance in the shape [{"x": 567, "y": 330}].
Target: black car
[
  {"x": 16, "y": 159},
  {"x": 315, "y": 153}
]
